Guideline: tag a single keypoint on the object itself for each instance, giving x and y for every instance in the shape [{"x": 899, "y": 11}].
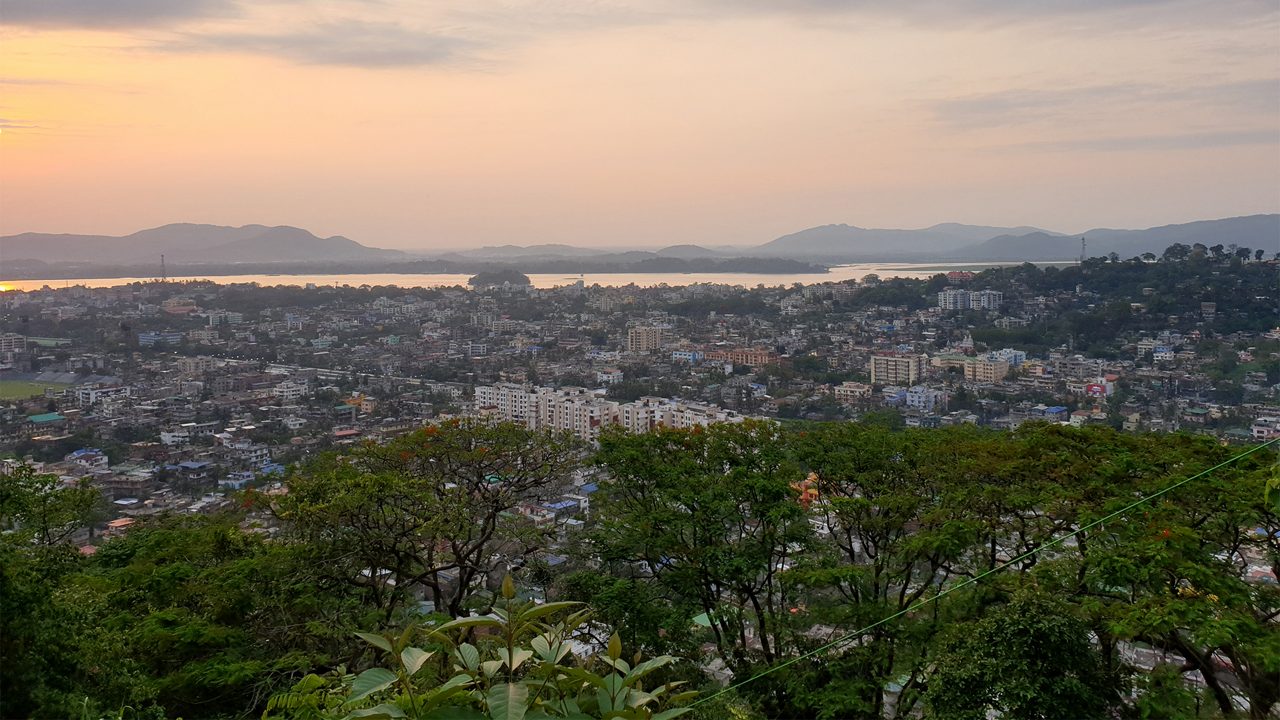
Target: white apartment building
[
  {"x": 956, "y": 299},
  {"x": 12, "y": 342},
  {"x": 953, "y": 299},
  {"x": 94, "y": 394},
  {"x": 585, "y": 414}
]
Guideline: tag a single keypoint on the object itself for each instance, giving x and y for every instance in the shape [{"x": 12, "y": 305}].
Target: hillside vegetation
[{"x": 707, "y": 555}]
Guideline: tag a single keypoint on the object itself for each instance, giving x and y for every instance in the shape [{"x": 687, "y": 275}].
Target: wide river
[{"x": 546, "y": 280}]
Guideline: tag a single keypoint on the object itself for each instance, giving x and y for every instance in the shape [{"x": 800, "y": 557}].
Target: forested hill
[{"x": 708, "y": 554}]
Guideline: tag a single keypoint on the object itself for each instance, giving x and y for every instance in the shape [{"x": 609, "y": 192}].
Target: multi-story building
[
  {"x": 957, "y": 299},
  {"x": 12, "y": 342},
  {"x": 644, "y": 338},
  {"x": 90, "y": 395},
  {"x": 925, "y": 399},
  {"x": 895, "y": 369},
  {"x": 852, "y": 392},
  {"x": 953, "y": 299},
  {"x": 509, "y": 401},
  {"x": 195, "y": 365},
  {"x": 987, "y": 370},
  {"x": 585, "y": 414},
  {"x": 986, "y": 299},
  {"x": 750, "y": 357}
]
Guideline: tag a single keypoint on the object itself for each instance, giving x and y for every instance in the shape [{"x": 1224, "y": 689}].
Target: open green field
[{"x": 20, "y": 390}]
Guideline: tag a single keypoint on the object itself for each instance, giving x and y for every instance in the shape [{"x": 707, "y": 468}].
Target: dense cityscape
[
  {"x": 142, "y": 384},
  {"x": 156, "y": 403},
  {"x": 639, "y": 360}
]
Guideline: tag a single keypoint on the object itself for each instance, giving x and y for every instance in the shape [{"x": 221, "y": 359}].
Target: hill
[
  {"x": 1254, "y": 231},
  {"x": 849, "y": 242},
  {"x": 191, "y": 243}
]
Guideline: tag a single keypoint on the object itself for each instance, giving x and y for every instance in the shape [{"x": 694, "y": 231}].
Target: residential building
[{"x": 895, "y": 369}]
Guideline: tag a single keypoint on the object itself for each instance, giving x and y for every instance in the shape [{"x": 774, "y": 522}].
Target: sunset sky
[{"x": 634, "y": 123}]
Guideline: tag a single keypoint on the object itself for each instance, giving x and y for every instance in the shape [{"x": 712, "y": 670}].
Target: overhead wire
[{"x": 978, "y": 578}]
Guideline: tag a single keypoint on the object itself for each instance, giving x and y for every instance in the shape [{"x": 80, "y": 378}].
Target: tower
[
  {"x": 164, "y": 273},
  {"x": 1082, "y": 246}
]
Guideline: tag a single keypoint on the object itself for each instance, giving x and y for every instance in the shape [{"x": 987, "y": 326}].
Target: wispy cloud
[
  {"x": 109, "y": 13},
  {"x": 357, "y": 43},
  {"x": 1136, "y": 143},
  {"x": 11, "y": 124},
  {"x": 1020, "y": 106}
]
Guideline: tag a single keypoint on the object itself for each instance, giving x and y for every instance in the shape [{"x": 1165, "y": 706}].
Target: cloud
[
  {"x": 1021, "y": 106},
  {"x": 11, "y": 124},
  {"x": 108, "y": 14},
  {"x": 353, "y": 43},
  {"x": 1136, "y": 143},
  {"x": 999, "y": 11}
]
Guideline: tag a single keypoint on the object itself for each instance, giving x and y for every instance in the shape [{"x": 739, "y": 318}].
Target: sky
[{"x": 634, "y": 123}]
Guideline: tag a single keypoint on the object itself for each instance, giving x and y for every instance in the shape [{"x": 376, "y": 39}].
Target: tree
[
  {"x": 709, "y": 514},
  {"x": 432, "y": 509},
  {"x": 1176, "y": 252},
  {"x": 39, "y": 509},
  {"x": 1024, "y": 660}
]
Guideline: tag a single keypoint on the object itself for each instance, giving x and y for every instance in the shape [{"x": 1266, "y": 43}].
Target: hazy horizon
[{"x": 634, "y": 125}]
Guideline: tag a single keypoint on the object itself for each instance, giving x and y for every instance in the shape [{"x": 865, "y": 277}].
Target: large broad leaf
[
  {"x": 516, "y": 658},
  {"x": 542, "y": 646},
  {"x": 469, "y": 622},
  {"x": 377, "y": 712},
  {"x": 413, "y": 658},
  {"x": 375, "y": 640},
  {"x": 451, "y": 687},
  {"x": 508, "y": 701},
  {"x": 550, "y": 648},
  {"x": 672, "y": 713},
  {"x": 371, "y": 681},
  {"x": 545, "y": 609},
  {"x": 469, "y": 656},
  {"x": 649, "y": 666}
]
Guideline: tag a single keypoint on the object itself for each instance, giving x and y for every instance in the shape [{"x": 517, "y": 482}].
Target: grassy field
[{"x": 19, "y": 390}]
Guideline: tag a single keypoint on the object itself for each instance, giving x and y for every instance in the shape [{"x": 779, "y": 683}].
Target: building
[
  {"x": 160, "y": 337},
  {"x": 749, "y": 357},
  {"x": 644, "y": 338},
  {"x": 12, "y": 342},
  {"x": 585, "y": 414},
  {"x": 90, "y": 395},
  {"x": 509, "y": 401},
  {"x": 195, "y": 365},
  {"x": 953, "y": 299},
  {"x": 692, "y": 357},
  {"x": 987, "y": 371},
  {"x": 609, "y": 376},
  {"x": 851, "y": 393},
  {"x": 986, "y": 299},
  {"x": 956, "y": 299},
  {"x": 1015, "y": 358},
  {"x": 925, "y": 399},
  {"x": 895, "y": 369}
]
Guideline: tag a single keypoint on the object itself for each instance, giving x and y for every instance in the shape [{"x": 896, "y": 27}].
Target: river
[{"x": 545, "y": 280}]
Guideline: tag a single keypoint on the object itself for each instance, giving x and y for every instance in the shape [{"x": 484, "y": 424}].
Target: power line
[{"x": 916, "y": 606}]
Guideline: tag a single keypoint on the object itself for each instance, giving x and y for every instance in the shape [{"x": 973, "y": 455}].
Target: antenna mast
[
  {"x": 1082, "y": 246},
  {"x": 164, "y": 273}
]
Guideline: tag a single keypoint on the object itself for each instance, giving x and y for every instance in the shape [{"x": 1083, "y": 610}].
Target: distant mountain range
[
  {"x": 1253, "y": 231},
  {"x": 848, "y": 242},
  {"x": 183, "y": 243},
  {"x": 209, "y": 245}
]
